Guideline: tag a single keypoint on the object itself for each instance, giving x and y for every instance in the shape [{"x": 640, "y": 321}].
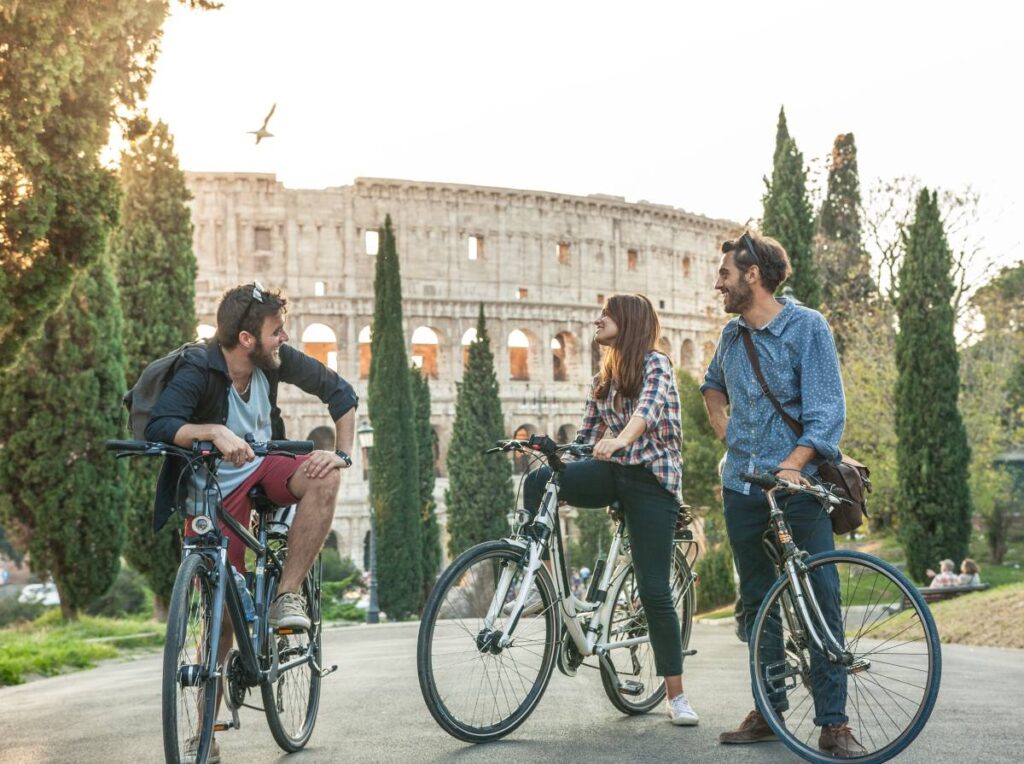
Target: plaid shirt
[{"x": 658, "y": 448}]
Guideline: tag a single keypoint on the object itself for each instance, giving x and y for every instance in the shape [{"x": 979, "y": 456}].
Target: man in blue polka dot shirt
[{"x": 798, "y": 359}]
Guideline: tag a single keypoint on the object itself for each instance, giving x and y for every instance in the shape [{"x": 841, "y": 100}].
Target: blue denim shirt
[{"x": 799, "y": 362}]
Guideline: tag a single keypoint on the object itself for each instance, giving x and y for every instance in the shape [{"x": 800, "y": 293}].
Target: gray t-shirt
[{"x": 244, "y": 417}]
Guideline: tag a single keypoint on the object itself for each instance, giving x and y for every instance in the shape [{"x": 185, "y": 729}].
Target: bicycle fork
[{"x": 807, "y": 604}]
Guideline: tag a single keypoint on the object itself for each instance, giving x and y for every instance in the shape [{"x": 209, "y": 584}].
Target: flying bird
[{"x": 263, "y": 132}]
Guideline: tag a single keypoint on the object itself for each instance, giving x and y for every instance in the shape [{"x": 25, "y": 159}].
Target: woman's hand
[{"x": 606, "y": 448}]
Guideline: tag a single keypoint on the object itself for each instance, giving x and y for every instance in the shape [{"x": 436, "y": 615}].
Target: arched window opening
[
  {"x": 319, "y": 342},
  {"x": 519, "y": 355},
  {"x": 365, "y": 352},
  {"x": 425, "y": 346},
  {"x": 686, "y": 355},
  {"x": 665, "y": 346},
  {"x": 521, "y": 462},
  {"x": 566, "y": 433},
  {"x": 467, "y": 339}
]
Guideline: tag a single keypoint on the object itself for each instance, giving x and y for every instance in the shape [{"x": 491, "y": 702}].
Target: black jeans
[
  {"x": 746, "y": 518},
  {"x": 651, "y": 514}
]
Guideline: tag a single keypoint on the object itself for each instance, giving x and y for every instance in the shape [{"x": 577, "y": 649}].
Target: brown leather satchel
[{"x": 851, "y": 478}]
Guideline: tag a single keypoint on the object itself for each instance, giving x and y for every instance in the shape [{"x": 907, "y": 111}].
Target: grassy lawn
[{"x": 49, "y": 646}]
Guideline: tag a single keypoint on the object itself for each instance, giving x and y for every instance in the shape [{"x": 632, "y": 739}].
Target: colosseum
[{"x": 540, "y": 263}]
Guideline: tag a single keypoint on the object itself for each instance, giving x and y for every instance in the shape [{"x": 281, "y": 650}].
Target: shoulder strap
[{"x": 748, "y": 344}]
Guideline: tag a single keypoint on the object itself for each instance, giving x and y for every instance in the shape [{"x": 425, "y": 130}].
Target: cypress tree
[
  {"x": 479, "y": 493},
  {"x": 394, "y": 471},
  {"x": 838, "y": 244},
  {"x": 933, "y": 500},
  {"x": 788, "y": 216},
  {"x": 69, "y": 69},
  {"x": 701, "y": 449},
  {"x": 156, "y": 270},
  {"x": 425, "y": 440},
  {"x": 59, "y": 486}
]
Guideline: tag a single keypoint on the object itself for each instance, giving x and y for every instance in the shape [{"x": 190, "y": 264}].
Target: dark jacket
[{"x": 198, "y": 394}]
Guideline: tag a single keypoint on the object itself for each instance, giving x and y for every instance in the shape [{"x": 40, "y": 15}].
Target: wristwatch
[{"x": 344, "y": 457}]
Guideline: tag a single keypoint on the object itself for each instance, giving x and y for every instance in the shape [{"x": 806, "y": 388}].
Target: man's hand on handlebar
[
  {"x": 605, "y": 448},
  {"x": 320, "y": 463},
  {"x": 793, "y": 475},
  {"x": 233, "y": 448}
]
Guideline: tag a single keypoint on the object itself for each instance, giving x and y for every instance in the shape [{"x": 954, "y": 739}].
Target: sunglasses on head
[
  {"x": 257, "y": 296},
  {"x": 748, "y": 244}
]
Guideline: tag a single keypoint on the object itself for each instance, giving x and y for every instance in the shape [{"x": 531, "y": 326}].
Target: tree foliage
[
  {"x": 593, "y": 536},
  {"x": 156, "y": 272},
  {"x": 59, "y": 486},
  {"x": 933, "y": 455},
  {"x": 701, "y": 448},
  {"x": 394, "y": 470},
  {"x": 788, "y": 216},
  {"x": 426, "y": 440},
  {"x": 479, "y": 494}
]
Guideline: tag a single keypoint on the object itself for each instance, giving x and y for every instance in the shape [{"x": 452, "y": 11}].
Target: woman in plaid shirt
[{"x": 632, "y": 418}]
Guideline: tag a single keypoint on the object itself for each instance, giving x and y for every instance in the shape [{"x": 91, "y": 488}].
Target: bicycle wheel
[
  {"x": 635, "y": 664},
  {"x": 189, "y": 696},
  {"x": 888, "y": 683},
  {"x": 476, "y": 690},
  {"x": 291, "y": 702}
]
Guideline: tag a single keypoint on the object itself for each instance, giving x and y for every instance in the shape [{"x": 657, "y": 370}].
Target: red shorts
[{"x": 273, "y": 474}]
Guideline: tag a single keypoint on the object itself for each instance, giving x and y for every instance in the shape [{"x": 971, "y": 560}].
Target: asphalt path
[{"x": 372, "y": 711}]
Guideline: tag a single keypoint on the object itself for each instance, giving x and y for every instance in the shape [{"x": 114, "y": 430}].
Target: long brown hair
[{"x": 639, "y": 332}]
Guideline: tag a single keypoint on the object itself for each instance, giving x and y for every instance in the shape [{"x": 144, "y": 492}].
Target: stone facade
[{"x": 541, "y": 263}]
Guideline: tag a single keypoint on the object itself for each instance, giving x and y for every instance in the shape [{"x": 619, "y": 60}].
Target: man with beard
[
  {"x": 798, "y": 359},
  {"x": 227, "y": 390}
]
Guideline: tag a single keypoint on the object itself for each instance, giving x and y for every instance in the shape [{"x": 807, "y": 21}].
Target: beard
[
  {"x": 739, "y": 298},
  {"x": 264, "y": 359}
]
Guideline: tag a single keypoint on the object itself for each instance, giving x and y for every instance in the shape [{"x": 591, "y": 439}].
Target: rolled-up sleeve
[
  {"x": 821, "y": 393},
  {"x": 176, "y": 404},
  {"x": 713, "y": 377},
  {"x": 655, "y": 393},
  {"x": 311, "y": 376}
]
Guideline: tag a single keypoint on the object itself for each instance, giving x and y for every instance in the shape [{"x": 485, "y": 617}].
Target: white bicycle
[{"x": 496, "y": 624}]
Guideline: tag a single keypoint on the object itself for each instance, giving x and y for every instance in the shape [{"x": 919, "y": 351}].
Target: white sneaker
[{"x": 680, "y": 713}]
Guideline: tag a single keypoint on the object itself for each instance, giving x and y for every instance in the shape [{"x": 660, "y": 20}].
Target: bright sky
[{"x": 660, "y": 101}]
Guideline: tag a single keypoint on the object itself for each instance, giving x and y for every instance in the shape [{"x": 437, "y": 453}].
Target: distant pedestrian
[{"x": 970, "y": 573}]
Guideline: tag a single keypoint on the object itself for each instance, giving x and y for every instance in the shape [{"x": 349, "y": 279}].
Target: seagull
[{"x": 263, "y": 132}]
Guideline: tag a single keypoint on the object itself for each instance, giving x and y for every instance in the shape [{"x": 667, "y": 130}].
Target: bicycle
[
  {"x": 886, "y": 656},
  {"x": 286, "y": 664},
  {"x": 496, "y": 624}
]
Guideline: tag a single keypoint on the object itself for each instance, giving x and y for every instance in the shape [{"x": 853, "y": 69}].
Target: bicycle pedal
[
  {"x": 629, "y": 687},
  {"x": 287, "y": 631},
  {"x": 224, "y": 726},
  {"x": 689, "y": 652}
]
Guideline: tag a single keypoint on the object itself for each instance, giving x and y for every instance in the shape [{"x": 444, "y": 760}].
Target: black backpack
[{"x": 142, "y": 398}]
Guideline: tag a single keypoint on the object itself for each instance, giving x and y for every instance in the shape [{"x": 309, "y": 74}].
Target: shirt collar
[
  {"x": 775, "y": 326},
  {"x": 215, "y": 356}
]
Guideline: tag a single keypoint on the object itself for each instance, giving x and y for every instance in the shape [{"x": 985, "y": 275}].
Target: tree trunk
[
  {"x": 67, "y": 612},
  {"x": 159, "y": 609}
]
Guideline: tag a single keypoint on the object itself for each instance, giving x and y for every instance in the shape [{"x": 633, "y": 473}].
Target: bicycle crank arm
[{"x": 326, "y": 671}]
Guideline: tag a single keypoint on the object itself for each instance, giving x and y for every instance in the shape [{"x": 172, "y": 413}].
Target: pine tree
[
  {"x": 838, "y": 244},
  {"x": 788, "y": 216},
  {"x": 394, "y": 471},
  {"x": 479, "y": 494},
  {"x": 156, "y": 271},
  {"x": 59, "y": 486},
  {"x": 933, "y": 500},
  {"x": 425, "y": 441},
  {"x": 69, "y": 69},
  {"x": 701, "y": 448}
]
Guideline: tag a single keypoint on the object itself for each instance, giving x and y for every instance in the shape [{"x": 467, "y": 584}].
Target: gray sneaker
[
  {"x": 193, "y": 745},
  {"x": 288, "y": 611}
]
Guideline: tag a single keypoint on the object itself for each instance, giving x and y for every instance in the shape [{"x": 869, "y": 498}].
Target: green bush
[
  {"x": 337, "y": 569},
  {"x": 126, "y": 596},
  {"x": 12, "y": 611},
  {"x": 715, "y": 586},
  {"x": 343, "y": 611}
]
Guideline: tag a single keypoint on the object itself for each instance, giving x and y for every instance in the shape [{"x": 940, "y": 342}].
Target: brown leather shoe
[
  {"x": 838, "y": 740},
  {"x": 754, "y": 729}
]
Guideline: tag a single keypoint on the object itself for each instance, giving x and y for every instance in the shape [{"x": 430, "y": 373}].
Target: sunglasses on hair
[
  {"x": 257, "y": 296},
  {"x": 748, "y": 244}
]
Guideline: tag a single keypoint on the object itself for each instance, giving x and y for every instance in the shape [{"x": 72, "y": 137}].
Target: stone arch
[
  {"x": 205, "y": 331},
  {"x": 665, "y": 346},
  {"x": 365, "y": 351},
  {"x": 566, "y": 433},
  {"x": 323, "y": 437},
  {"x": 468, "y": 338},
  {"x": 426, "y": 350},
  {"x": 686, "y": 355},
  {"x": 521, "y": 462},
  {"x": 709, "y": 353},
  {"x": 522, "y": 350},
  {"x": 320, "y": 342},
  {"x": 564, "y": 352}
]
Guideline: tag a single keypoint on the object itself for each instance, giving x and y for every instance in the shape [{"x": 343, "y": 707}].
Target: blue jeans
[
  {"x": 746, "y": 518},
  {"x": 651, "y": 513}
]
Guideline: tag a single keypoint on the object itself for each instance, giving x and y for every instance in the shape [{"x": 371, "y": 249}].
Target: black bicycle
[{"x": 286, "y": 664}]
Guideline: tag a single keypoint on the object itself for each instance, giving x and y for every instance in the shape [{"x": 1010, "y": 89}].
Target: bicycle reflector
[{"x": 201, "y": 524}]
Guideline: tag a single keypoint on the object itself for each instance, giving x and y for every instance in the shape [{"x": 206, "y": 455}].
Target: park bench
[{"x": 938, "y": 593}]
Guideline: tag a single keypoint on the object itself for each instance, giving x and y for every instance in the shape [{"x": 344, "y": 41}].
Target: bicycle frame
[
  {"x": 587, "y": 641},
  {"x": 806, "y": 602}
]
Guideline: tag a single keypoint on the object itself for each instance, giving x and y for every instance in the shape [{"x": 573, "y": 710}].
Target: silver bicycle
[{"x": 496, "y": 623}]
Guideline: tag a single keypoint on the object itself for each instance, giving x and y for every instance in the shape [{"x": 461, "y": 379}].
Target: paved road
[{"x": 372, "y": 711}]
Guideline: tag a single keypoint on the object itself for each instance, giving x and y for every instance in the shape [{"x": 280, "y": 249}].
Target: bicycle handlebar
[
  {"x": 768, "y": 481},
  {"x": 206, "y": 448}
]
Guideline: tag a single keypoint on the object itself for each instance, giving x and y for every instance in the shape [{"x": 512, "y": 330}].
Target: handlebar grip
[
  {"x": 764, "y": 480},
  {"x": 127, "y": 445},
  {"x": 292, "y": 446}
]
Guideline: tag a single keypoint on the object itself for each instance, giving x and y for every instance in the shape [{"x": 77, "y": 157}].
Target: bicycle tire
[
  {"x": 460, "y": 595},
  {"x": 292, "y": 701},
  {"x": 889, "y": 590},
  {"x": 682, "y": 587},
  {"x": 189, "y": 618}
]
